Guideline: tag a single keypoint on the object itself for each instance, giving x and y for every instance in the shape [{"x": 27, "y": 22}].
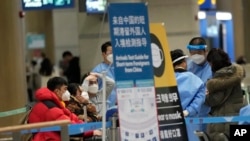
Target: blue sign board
[
  {"x": 46, "y": 4},
  {"x": 131, "y": 45}
]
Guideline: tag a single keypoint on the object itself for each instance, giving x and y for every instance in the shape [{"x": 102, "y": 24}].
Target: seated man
[
  {"x": 90, "y": 85},
  {"x": 50, "y": 107}
]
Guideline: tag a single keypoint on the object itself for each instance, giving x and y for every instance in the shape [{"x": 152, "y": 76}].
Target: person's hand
[
  {"x": 185, "y": 113},
  {"x": 92, "y": 76},
  {"x": 97, "y": 133},
  {"x": 81, "y": 99},
  {"x": 96, "y": 74},
  {"x": 91, "y": 108}
]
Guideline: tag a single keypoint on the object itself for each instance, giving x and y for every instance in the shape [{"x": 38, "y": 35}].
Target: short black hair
[
  {"x": 218, "y": 59},
  {"x": 241, "y": 60},
  {"x": 84, "y": 76},
  {"x": 197, "y": 41},
  {"x": 66, "y": 53},
  {"x": 72, "y": 88},
  {"x": 176, "y": 54},
  {"x": 56, "y": 82},
  {"x": 105, "y": 46}
]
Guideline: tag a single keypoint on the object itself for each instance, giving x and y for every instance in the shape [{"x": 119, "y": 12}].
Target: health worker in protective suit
[
  {"x": 198, "y": 65},
  {"x": 191, "y": 90}
]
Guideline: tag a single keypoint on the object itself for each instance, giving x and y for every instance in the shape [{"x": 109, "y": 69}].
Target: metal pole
[
  {"x": 113, "y": 129},
  {"x": 104, "y": 106},
  {"x": 16, "y": 136},
  {"x": 64, "y": 133}
]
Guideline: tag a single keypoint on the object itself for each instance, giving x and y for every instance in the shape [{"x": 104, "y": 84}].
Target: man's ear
[
  {"x": 56, "y": 91},
  {"x": 103, "y": 54}
]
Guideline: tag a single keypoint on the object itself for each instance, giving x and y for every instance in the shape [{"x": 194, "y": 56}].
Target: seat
[
  {"x": 224, "y": 136},
  {"x": 202, "y": 135}
]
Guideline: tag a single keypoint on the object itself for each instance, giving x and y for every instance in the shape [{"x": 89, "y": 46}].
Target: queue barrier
[
  {"x": 16, "y": 130},
  {"x": 14, "y": 112},
  {"x": 206, "y": 120},
  {"x": 73, "y": 129},
  {"x": 63, "y": 126}
]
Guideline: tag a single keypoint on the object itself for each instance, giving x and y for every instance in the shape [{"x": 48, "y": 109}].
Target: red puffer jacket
[{"x": 50, "y": 112}]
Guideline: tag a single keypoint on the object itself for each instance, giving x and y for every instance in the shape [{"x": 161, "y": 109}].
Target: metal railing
[{"x": 16, "y": 131}]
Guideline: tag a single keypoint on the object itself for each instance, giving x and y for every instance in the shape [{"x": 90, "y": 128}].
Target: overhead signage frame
[{"x": 46, "y": 4}]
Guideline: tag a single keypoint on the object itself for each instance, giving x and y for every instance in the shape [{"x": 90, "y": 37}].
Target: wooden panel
[{"x": 12, "y": 73}]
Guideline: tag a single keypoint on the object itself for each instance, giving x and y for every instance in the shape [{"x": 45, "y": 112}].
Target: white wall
[
  {"x": 179, "y": 19},
  {"x": 65, "y": 25},
  {"x": 83, "y": 34},
  {"x": 178, "y": 16}
]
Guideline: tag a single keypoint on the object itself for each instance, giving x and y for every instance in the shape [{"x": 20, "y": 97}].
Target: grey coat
[
  {"x": 224, "y": 97},
  {"x": 97, "y": 100}
]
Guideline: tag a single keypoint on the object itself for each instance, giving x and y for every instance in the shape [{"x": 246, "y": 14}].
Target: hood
[
  {"x": 232, "y": 70},
  {"x": 225, "y": 78},
  {"x": 46, "y": 94}
]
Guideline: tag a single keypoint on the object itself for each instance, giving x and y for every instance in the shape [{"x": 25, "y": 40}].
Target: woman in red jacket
[{"x": 50, "y": 107}]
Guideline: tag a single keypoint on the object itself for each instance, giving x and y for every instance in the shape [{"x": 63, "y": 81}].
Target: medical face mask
[
  {"x": 110, "y": 58},
  {"x": 85, "y": 95},
  {"x": 66, "y": 96},
  {"x": 198, "y": 59},
  {"x": 93, "y": 88}
]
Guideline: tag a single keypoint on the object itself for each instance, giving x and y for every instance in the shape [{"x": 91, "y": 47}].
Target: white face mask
[
  {"x": 85, "y": 95},
  {"x": 110, "y": 58},
  {"x": 66, "y": 96},
  {"x": 93, "y": 88},
  {"x": 198, "y": 59}
]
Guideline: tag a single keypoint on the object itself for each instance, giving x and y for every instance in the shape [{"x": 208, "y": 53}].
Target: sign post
[
  {"x": 129, "y": 29},
  {"x": 171, "y": 121}
]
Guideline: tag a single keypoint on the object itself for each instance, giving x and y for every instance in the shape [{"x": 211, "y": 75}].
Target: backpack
[{"x": 24, "y": 119}]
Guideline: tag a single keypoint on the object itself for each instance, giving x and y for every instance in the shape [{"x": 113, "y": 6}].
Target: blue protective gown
[
  {"x": 204, "y": 72},
  {"x": 110, "y": 72},
  {"x": 245, "y": 111},
  {"x": 192, "y": 95}
]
